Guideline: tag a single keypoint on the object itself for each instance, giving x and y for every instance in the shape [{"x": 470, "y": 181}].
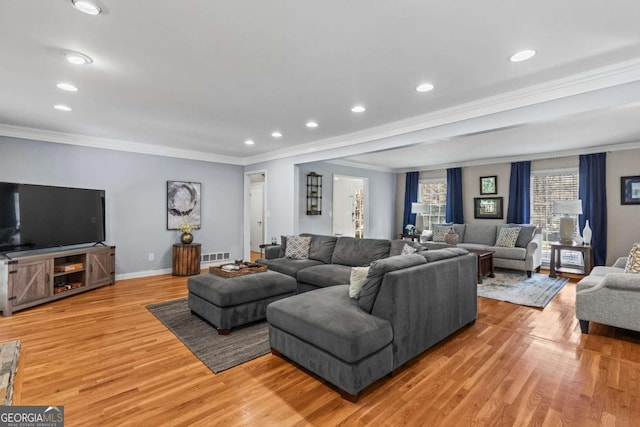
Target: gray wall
[{"x": 136, "y": 196}]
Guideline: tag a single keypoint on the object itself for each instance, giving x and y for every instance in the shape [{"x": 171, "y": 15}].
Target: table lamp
[
  {"x": 419, "y": 209},
  {"x": 568, "y": 209}
]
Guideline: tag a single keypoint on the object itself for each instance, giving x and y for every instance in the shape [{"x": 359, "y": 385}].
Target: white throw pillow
[
  {"x": 408, "y": 250},
  {"x": 633, "y": 261},
  {"x": 297, "y": 247},
  {"x": 508, "y": 237},
  {"x": 357, "y": 280}
]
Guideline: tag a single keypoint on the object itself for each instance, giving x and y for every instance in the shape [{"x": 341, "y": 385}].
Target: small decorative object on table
[
  {"x": 451, "y": 238},
  {"x": 586, "y": 234},
  {"x": 410, "y": 229},
  {"x": 187, "y": 228}
]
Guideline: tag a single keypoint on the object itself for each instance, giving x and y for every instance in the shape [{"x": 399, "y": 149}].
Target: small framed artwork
[
  {"x": 630, "y": 190},
  {"x": 487, "y": 208},
  {"x": 183, "y": 204},
  {"x": 489, "y": 185}
]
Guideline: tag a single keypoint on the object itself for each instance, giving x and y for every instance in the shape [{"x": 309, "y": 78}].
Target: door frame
[
  {"x": 246, "y": 226},
  {"x": 365, "y": 190}
]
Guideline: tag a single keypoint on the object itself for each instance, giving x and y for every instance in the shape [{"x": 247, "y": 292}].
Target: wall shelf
[{"x": 314, "y": 194}]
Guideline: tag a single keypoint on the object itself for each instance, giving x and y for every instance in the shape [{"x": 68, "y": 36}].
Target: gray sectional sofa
[
  {"x": 526, "y": 255},
  {"x": 408, "y": 303}
]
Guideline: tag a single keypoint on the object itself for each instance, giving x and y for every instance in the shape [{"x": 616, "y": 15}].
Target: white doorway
[
  {"x": 255, "y": 218},
  {"x": 350, "y": 203},
  {"x": 256, "y": 197}
]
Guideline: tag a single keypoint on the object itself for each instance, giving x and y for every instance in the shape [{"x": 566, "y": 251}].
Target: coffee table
[
  {"x": 228, "y": 302},
  {"x": 485, "y": 263}
]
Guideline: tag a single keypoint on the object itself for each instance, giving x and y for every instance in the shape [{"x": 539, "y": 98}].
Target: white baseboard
[{"x": 148, "y": 273}]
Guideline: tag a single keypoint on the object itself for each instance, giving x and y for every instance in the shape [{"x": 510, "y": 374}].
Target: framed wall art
[
  {"x": 488, "y": 185},
  {"x": 630, "y": 190},
  {"x": 183, "y": 204},
  {"x": 487, "y": 208}
]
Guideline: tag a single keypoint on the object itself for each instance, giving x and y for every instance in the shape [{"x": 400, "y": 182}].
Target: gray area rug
[
  {"x": 218, "y": 352},
  {"x": 9, "y": 356},
  {"x": 515, "y": 287}
]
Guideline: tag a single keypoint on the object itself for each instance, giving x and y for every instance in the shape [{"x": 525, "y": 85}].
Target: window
[
  {"x": 433, "y": 192},
  {"x": 547, "y": 186}
]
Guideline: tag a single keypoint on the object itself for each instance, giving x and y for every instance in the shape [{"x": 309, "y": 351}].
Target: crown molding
[
  {"x": 114, "y": 144},
  {"x": 601, "y": 78}
]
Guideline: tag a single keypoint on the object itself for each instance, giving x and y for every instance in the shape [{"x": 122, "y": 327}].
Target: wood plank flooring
[{"x": 107, "y": 359}]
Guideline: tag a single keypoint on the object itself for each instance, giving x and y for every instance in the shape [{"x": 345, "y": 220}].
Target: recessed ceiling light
[
  {"x": 312, "y": 124},
  {"x": 249, "y": 142},
  {"x": 523, "y": 55},
  {"x": 87, "y": 7},
  {"x": 62, "y": 107},
  {"x": 358, "y": 109},
  {"x": 67, "y": 86},
  {"x": 425, "y": 87},
  {"x": 276, "y": 134},
  {"x": 78, "y": 58}
]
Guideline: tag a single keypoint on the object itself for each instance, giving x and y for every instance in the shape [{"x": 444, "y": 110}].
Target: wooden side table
[
  {"x": 186, "y": 259},
  {"x": 265, "y": 245},
  {"x": 485, "y": 263},
  {"x": 413, "y": 237},
  {"x": 555, "y": 265}
]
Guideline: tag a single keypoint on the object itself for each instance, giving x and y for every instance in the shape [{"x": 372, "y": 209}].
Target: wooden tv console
[{"x": 38, "y": 278}]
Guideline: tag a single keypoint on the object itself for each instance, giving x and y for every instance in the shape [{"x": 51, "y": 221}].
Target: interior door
[
  {"x": 257, "y": 217},
  {"x": 348, "y": 206}
]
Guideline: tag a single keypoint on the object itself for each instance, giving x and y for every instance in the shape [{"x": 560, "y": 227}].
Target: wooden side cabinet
[
  {"x": 186, "y": 259},
  {"x": 36, "y": 278}
]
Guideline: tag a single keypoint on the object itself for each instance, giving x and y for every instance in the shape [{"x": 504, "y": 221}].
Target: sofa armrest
[
  {"x": 620, "y": 262},
  {"x": 426, "y": 236},
  {"x": 272, "y": 252},
  {"x": 622, "y": 282},
  {"x": 533, "y": 257}
]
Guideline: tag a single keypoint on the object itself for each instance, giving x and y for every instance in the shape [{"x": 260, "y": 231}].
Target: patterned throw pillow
[
  {"x": 633, "y": 262},
  {"x": 297, "y": 247},
  {"x": 408, "y": 250},
  {"x": 439, "y": 231},
  {"x": 356, "y": 281},
  {"x": 508, "y": 237}
]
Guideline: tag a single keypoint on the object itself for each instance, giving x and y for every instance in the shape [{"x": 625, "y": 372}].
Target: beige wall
[{"x": 623, "y": 221}]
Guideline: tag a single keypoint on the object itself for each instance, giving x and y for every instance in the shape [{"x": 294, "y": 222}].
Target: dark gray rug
[
  {"x": 218, "y": 352},
  {"x": 514, "y": 286},
  {"x": 9, "y": 356}
]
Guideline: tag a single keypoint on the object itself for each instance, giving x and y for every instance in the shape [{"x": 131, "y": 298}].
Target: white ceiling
[{"x": 196, "y": 78}]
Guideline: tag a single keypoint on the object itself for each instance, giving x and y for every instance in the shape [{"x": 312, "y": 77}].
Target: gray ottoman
[{"x": 227, "y": 302}]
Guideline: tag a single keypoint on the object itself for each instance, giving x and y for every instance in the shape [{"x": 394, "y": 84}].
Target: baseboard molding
[{"x": 148, "y": 273}]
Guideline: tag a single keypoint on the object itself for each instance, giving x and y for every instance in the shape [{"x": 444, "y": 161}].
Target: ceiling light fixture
[
  {"x": 312, "y": 124},
  {"x": 67, "y": 86},
  {"x": 358, "y": 109},
  {"x": 276, "y": 134},
  {"x": 62, "y": 107},
  {"x": 87, "y": 7},
  {"x": 249, "y": 142},
  {"x": 78, "y": 58},
  {"x": 425, "y": 87},
  {"x": 523, "y": 55}
]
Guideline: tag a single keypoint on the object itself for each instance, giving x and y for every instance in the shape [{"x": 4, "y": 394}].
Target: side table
[
  {"x": 265, "y": 245},
  {"x": 413, "y": 237},
  {"x": 555, "y": 265},
  {"x": 485, "y": 263},
  {"x": 186, "y": 259}
]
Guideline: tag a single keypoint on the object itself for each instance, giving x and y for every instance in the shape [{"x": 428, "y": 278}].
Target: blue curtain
[
  {"x": 410, "y": 196},
  {"x": 592, "y": 186},
  {"x": 455, "y": 211},
  {"x": 519, "y": 211}
]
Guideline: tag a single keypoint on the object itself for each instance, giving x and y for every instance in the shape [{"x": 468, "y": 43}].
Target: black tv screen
[{"x": 41, "y": 216}]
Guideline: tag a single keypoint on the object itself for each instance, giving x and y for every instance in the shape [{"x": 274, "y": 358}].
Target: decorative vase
[
  {"x": 451, "y": 238},
  {"x": 586, "y": 233},
  {"x": 186, "y": 238}
]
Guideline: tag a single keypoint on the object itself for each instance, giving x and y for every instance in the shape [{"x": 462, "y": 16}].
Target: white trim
[
  {"x": 360, "y": 166},
  {"x": 146, "y": 273},
  {"x": 246, "y": 214}
]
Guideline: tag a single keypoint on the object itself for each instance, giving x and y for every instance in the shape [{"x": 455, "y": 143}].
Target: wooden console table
[
  {"x": 555, "y": 265},
  {"x": 410, "y": 236},
  {"x": 186, "y": 259}
]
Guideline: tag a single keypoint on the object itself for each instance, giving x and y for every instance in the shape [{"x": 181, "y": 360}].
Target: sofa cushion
[
  {"x": 328, "y": 319},
  {"x": 473, "y": 246},
  {"x": 377, "y": 271},
  {"x": 398, "y": 246},
  {"x": 438, "y": 254},
  {"x": 297, "y": 247},
  {"x": 633, "y": 260},
  {"x": 325, "y": 275},
  {"x": 356, "y": 281},
  {"x": 288, "y": 266},
  {"x": 508, "y": 253},
  {"x": 480, "y": 233},
  {"x": 359, "y": 252},
  {"x": 527, "y": 231},
  {"x": 321, "y": 248},
  {"x": 507, "y": 237}
]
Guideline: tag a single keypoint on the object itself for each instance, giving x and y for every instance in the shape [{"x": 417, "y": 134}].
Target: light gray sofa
[
  {"x": 526, "y": 255},
  {"x": 408, "y": 304},
  {"x": 609, "y": 296}
]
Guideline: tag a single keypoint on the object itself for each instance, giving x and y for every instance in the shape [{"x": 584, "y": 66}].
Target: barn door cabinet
[{"x": 33, "y": 279}]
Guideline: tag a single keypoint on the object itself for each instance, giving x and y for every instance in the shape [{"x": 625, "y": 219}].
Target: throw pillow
[
  {"x": 357, "y": 280},
  {"x": 439, "y": 231},
  {"x": 508, "y": 237},
  {"x": 297, "y": 247},
  {"x": 633, "y": 261},
  {"x": 408, "y": 250}
]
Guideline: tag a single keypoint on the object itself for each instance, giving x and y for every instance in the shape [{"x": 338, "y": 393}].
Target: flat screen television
[{"x": 42, "y": 216}]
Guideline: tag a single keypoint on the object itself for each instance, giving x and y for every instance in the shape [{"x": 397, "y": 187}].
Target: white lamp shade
[
  {"x": 418, "y": 208},
  {"x": 567, "y": 207}
]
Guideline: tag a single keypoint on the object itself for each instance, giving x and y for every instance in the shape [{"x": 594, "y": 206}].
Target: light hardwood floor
[{"x": 109, "y": 361}]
